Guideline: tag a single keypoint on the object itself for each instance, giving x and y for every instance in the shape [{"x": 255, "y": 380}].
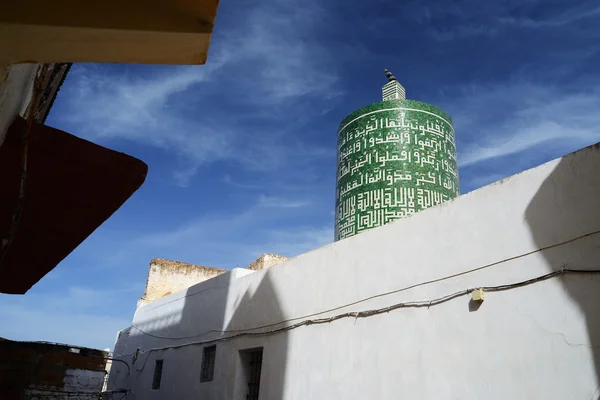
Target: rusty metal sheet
[{"x": 72, "y": 187}]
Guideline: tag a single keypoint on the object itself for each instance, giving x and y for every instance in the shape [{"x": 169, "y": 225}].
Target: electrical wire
[
  {"x": 374, "y": 296},
  {"x": 121, "y": 361},
  {"x": 384, "y": 310}
]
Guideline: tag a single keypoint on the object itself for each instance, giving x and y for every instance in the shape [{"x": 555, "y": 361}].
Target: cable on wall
[
  {"x": 121, "y": 361},
  {"x": 374, "y": 296},
  {"x": 384, "y": 310}
]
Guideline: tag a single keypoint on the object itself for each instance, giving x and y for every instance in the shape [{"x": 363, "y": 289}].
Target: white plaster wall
[
  {"x": 15, "y": 93},
  {"x": 535, "y": 342}
]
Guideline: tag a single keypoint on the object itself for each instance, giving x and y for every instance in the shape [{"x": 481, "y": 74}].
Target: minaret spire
[
  {"x": 389, "y": 75},
  {"x": 392, "y": 90}
]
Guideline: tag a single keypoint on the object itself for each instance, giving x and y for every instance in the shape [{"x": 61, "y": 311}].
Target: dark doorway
[{"x": 251, "y": 363}]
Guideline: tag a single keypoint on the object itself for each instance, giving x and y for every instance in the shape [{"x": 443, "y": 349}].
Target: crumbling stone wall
[
  {"x": 266, "y": 261},
  {"x": 166, "y": 277}
]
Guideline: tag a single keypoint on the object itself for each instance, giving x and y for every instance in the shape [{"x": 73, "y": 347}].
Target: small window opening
[
  {"x": 157, "y": 374},
  {"x": 208, "y": 363}
]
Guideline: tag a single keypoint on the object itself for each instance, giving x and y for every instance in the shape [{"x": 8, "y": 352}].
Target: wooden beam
[{"x": 132, "y": 31}]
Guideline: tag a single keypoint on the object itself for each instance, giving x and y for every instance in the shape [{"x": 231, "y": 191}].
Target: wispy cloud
[
  {"x": 584, "y": 11},
  {"x": 466, "y": 19},
  {"x": 292, "y": 242},
  {"x": 270, "y": 224},
  {"x": 463, "y": 31},
  {"x": 502, "y": 129},
  {"x": 280, "y": 202},
  {"x": 272, "y": 62},
  {"x": 248, "y": 186},
  {"x": 103, "y": 106},
  {"x": 502, "y": 120},
  {"x": 282, "y": 39}
]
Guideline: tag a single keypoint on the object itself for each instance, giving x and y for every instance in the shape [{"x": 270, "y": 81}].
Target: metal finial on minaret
[
  {"x": 389, "y": 75},
  {"x": 392, "y": 90}
]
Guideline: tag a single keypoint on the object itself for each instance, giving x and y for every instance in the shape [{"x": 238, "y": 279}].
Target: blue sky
[{"x": 241, "y": 151}]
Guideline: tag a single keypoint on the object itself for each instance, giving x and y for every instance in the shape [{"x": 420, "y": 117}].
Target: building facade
[
  {"x": 395, "y": 158},
  {"x": 392, "y": 313}
]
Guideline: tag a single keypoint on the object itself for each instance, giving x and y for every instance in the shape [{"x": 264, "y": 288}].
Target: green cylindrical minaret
[{"x": 395, "y": 158}]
